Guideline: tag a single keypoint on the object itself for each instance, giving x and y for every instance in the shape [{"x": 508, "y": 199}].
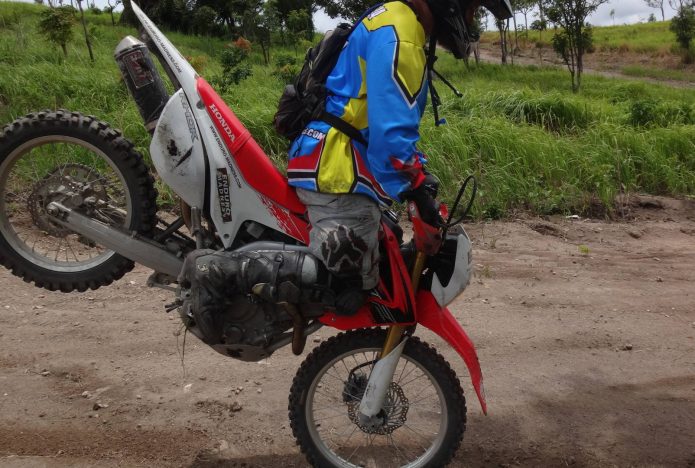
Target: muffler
[{"x": 142, "y": 78}]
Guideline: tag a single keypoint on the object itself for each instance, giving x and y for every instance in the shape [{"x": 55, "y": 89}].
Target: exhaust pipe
[{"x": 142, "y": 78}]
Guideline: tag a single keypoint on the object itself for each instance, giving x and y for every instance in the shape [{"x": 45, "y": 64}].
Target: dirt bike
[{"x": 78, "y": 207}]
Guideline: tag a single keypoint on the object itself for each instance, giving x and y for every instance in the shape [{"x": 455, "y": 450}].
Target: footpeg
[{"x": 173, "y": 306}]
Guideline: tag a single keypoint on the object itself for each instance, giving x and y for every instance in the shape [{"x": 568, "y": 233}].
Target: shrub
[
  {"x": 243, "y": 44},
  {"x": 203, "y": 18},
  {"x": 551, "y": 112},
  {"x": 286, "y": 69},
  {"x": 539, "y": 25},
  {"x": 649, "y": 113},
  {"x": 235, "y": 67},
  {"x": 56, "y": 26},
  {"x": 285, "y": 59},
  {"x": 688, "y": 55},
  {"x": 642, "y": 113},
  {"x": 286, "y": 73},
  {"x": 198, "y": 62},
  {"x": 683, "y": 26},
  {"x": 626, "y": 91}
]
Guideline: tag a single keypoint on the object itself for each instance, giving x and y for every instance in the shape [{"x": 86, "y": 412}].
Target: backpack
[{"x": 304, "y": 100}]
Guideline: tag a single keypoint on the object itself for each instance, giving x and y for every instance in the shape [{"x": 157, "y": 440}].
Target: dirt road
[
  {"x": 585, "y": 330},
  {"x": 606, "y": 64}
]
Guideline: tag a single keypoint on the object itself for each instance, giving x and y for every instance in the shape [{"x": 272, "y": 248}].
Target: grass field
[
  {"x": 655, "y": 38},
  {"x": 659, "y": 73},
  {"x": 532, "y": 143}
]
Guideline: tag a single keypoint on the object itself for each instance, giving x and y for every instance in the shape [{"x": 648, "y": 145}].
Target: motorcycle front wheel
[
  {"x": 84, "y": 164},
  {"x": 422, "y": 422}
]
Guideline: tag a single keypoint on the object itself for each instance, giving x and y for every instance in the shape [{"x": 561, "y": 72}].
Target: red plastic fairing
[
  {"x": 398, "y": 297},
  {"x": 253, "y": 163},
  {"x": 362, "y": 319},
  {"x": 440, "y": 321},
  {"x": 428, "y": 239},
  {"x": 288, "y": 222}
]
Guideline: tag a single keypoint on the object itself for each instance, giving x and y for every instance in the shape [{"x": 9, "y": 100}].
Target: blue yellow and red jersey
[{"x": 379, "y": 86}]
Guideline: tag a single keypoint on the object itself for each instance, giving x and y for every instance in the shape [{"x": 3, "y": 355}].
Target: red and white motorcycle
[{"x": 78, "y": 207}]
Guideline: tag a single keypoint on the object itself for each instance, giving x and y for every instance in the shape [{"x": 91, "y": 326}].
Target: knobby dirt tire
[
  {"x": 126, "y": 161},
  {"x": 417, "y": 350}
]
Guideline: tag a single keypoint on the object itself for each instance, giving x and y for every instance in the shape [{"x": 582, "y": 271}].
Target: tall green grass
[
  {"x": 659, "y": 73},
  {"x": 531, "y": 142},
  {"x": 652, "y": 38}
]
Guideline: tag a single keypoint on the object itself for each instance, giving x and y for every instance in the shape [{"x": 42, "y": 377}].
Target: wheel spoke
[
  {"x": 413, "y": 380},
  {"x": 396, "y": 442},
  {"x": 43, "y": 173},
  {"x": 419, "y": 435},
  {"x": 389, "y": 438}
]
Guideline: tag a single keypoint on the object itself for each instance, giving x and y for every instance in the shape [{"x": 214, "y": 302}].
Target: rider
[{"x": 379, "y": 86}]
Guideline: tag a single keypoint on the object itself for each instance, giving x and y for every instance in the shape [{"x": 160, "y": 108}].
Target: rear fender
[{"x": 438, "y": 319}]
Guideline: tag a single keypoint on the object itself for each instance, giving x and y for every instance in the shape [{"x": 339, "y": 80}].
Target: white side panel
[
  {"x": 177, "y": 151},
  {"x": 232, "y": 200}
]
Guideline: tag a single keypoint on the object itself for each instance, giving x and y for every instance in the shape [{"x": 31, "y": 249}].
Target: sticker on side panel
[{"x": 223, "y": 194}]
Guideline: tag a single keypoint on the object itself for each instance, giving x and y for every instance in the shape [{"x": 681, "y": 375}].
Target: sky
[{"x": 626, "y": 12}]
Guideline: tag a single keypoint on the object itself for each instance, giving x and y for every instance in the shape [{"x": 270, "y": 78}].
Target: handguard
[{"x": 447, "y": 285}]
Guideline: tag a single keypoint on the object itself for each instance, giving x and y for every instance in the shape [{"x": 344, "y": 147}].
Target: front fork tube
[{"x": 382, "y": 374}]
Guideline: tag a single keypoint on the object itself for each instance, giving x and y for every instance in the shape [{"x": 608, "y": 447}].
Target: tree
[
  {"x": 84, "y": 27},
  {"x": 56, "y": 26},
  {"x": 203, "y": 18},
  {"x": 575, "y": 38},
  {"x": 657, "y": 4},
  {"x": 299, "y": 25},
  {"x": 515, "y": 49},
  {"x": 128, "y": 16},
  {"x": 110, "y": 9},
  {"x": 683, "y": 26},
  {"x": 503, "y": 28},
  {"x": 540, "y": 24},
  {"x": 525, "y": 7},
  {"x": 612, "y": 13},
  {"x": 285, "y": 7},
  {"x": 267, "y": 20},
  {"x": 678, "y": 4},
  {"x": 350, "y": 9}
]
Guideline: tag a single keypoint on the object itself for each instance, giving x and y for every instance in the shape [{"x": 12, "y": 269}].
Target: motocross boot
[
  {"x": 350, "y": 296},
  {"x": 276, "y": 276}
]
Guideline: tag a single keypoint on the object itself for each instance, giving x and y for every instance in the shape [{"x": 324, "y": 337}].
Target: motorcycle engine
[{"x": 232, "y": 301}]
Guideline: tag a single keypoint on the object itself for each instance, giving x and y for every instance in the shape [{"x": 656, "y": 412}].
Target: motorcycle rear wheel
[
  {"x": 66, "y": 156},
  {"x": 424, "y": 416}
]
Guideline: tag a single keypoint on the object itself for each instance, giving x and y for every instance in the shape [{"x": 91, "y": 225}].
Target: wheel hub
[
  {"x": 392, "y": 416},
  {"x": 71, "y": 184}
]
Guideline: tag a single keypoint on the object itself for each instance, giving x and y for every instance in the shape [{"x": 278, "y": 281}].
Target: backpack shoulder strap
[
  {"x": 335, "y": 121},
  {"x": 342, "y": 126}
]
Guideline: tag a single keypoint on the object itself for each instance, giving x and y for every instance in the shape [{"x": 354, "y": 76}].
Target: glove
[
  {"x": 431, "y": 184},
  {"x": 426, "y": 204}
]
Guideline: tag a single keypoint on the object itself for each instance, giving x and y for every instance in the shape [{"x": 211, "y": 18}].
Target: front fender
[{"x": 438, "y": 319}]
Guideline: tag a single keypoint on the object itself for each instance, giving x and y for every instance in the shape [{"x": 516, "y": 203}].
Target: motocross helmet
[{"x": 453, "y": 21}]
